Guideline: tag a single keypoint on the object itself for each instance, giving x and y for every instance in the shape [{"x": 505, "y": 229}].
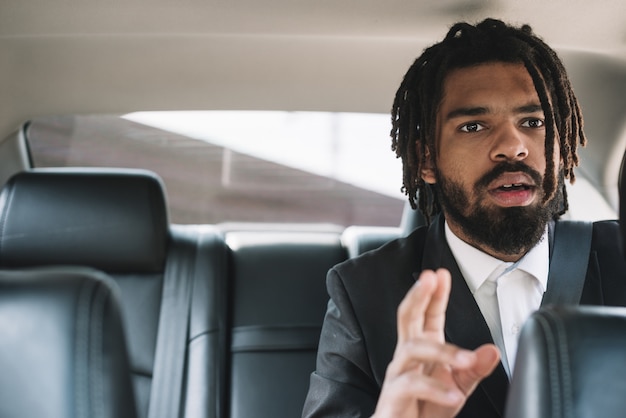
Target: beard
[{"x": 507, "y": 230}]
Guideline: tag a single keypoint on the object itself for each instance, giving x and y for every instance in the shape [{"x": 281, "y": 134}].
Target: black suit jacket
[{"x": 359, "y": 332}]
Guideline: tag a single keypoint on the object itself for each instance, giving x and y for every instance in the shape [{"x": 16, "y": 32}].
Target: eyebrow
[{"x": 479, "y": 110}]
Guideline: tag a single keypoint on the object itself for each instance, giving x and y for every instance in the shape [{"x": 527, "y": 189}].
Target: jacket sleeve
[{"x": 342, "y": 384}]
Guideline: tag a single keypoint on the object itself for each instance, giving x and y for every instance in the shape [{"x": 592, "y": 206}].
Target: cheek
[
  {"x": 463, "y": 170},
  {"x": 459, "y": 175},
  {"x": 538, "y": 152}
]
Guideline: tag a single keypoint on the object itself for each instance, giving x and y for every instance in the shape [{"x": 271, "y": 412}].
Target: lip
[{"x": 513, "y": 189}]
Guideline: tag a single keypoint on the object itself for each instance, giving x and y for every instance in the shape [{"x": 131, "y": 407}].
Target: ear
[{"x": 428, "y": 170}]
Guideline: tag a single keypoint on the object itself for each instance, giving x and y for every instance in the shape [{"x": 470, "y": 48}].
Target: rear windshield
[{"x": 280, "y": 167}]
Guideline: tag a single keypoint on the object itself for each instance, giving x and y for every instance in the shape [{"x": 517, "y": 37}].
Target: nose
[{"x": 509, "y": 144}]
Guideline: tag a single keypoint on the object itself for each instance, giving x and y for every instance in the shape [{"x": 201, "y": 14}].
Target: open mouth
[
  {"x": 511, "y": 182},
  {"x": 513, "y": 194},
  {"x": 514, "y": 187}
]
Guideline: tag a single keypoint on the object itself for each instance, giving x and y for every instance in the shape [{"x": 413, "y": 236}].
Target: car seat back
[
  {"x": 63, "y": 350},
  {"x": 570, "y": 363}
]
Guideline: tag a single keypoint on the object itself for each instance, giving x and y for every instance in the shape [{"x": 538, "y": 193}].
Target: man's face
[{"x": 491, "y": 159}]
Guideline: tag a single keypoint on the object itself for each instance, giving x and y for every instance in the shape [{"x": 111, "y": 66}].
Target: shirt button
[{"x": 515, "y": 329}]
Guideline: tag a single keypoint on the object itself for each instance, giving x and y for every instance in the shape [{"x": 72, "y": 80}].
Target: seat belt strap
[
  {"x": 173, "y": 331},
  {"x": 568, "y": 265}
]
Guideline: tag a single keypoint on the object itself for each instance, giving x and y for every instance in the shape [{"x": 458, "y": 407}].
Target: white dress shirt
[{"x": 506, "y": 293}]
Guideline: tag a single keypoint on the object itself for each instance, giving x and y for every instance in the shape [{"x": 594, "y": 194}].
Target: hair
[{"x": 417, "y": 100}]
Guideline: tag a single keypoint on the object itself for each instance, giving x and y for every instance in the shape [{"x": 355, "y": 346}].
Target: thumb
[{"x": 487, "y": 358}]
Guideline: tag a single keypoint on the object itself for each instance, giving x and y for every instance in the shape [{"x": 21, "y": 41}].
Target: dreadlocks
[{"x": 414, "y": 111}]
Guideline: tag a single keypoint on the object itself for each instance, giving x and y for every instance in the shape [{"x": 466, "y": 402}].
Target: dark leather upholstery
[
  {"x": 571, "y": 362},
  {"x": 62, "y": 347},
  {"x": 116, "y": 220},
  {"x": 257, "y": 304},
  {"x": 278, "y": 299}
]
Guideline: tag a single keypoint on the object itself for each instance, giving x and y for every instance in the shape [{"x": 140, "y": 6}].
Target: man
[{"x": 487, "y": 126}]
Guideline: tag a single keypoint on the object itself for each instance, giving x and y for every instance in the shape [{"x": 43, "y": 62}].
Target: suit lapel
[{"x": 465, "y": 325}]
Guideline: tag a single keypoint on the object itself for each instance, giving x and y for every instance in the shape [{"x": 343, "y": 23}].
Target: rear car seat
[
  {"x": 278, "y": 300},
  {"x": 115, "y": 220},
  {"x": 62, "y": 350}
]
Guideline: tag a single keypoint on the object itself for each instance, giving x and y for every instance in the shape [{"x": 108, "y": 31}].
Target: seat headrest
[
  {"x": 113, "y": 220},
  {"x": 570, "y": 362}
]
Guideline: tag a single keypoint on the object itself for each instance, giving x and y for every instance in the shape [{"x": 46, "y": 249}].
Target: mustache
[{"x": 506, "y": 167}]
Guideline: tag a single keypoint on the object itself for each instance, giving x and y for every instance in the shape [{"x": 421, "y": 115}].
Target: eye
[
  {"x": 471, "y": 127},
  {"x": 533, "y": 123}
]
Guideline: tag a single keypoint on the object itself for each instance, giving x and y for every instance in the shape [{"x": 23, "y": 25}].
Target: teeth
[{"x": 508, "y": 186}]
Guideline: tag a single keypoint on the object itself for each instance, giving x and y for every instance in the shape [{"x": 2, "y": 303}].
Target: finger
[
  {"x": 435, "y": 318},
  {"x": 487, "y": 358},
  {"x": 413, "y": 307},
  {"x": 414, "y": 353},
  {"x": 424, "y": 307}
]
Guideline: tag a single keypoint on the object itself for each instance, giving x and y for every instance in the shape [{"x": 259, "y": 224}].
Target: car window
[{"x": 296, "y": 167}]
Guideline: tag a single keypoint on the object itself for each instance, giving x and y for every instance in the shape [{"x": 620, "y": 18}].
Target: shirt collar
[{"x": 476, "y": 266}]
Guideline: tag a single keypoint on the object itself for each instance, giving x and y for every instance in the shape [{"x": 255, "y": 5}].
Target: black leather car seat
[
  {"x": 62, "y": 346},
  {"x": 570, "y": 363},
  {"x": 115, "y": 220},
  {"x": 278, "y": 300}
]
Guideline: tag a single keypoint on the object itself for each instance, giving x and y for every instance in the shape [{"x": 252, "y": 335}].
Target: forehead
[{"x": 486, "y": 85}]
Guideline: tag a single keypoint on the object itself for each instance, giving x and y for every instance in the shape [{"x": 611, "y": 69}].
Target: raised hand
[{"x": 427, "y": 377}]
